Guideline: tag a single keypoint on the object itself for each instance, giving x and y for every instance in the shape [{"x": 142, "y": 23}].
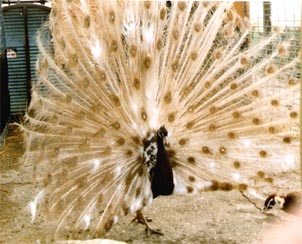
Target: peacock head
[
  {"x": 273, "y": 202},
  {"x": 162, "y": 132}
]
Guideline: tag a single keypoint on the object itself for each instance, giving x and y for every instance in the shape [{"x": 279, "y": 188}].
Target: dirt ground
[{"x": 209, "y": 217}]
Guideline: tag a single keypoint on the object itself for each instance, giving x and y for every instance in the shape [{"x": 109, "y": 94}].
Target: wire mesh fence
[{"x": 267, "y": 17}]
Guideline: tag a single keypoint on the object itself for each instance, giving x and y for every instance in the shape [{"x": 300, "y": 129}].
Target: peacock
[{"x": 141, "y": 99}]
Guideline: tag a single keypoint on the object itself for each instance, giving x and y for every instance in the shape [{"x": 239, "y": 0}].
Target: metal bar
[{"x": 27, "y": 55}]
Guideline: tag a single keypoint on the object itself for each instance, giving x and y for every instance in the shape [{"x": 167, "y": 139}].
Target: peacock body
[{"x": 126, "y": 86}]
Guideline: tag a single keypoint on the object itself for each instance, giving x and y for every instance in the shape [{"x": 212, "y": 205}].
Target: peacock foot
[{"x": 140, "y": 218}]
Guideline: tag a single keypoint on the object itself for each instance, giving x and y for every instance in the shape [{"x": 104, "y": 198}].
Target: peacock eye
[{"x": 272, "y": 202}]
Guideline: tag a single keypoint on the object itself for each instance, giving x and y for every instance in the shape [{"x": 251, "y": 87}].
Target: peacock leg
[{"x": 141, "y": 219}]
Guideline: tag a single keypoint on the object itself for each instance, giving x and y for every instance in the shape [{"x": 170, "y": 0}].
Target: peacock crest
[{"x": 112, "y": 73}]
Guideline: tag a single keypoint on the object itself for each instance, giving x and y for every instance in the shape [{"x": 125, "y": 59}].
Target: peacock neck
[{"x": 162, "y": 174}]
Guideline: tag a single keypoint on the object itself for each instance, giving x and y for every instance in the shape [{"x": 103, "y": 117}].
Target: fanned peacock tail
[{"x": 113, "y": 72}]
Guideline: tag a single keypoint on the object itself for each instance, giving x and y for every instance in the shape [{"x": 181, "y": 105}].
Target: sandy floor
[{"x": 210, "y": 217}]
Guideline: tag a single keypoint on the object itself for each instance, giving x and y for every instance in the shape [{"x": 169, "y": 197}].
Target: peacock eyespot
[
  {"x": 287, "y": 139},
  {"x": 242, "y": 187},
  {"x": 236, "y": 115},
  {"x": 222, "y": 150},
  {"x": 282, "y": 50},
  {"x": 228, "y": 31},
  {"x": 147, "y": 62},
  {"x": 144, "y": 115},
  {"x": 236, "y": 164},
  {"x": 136, "y": 140},
  {"x": 261, "y": 174},
  {"x": 190, "y": 125},
  {"x": 175, "y": 34},
  {"x": 197, "y": 27},
  {"x": 87, "y": 141},
  {"x": 275, "y": 103},
  {"x": 168, "y": 97},
  {"x": 212, "y": 127},
  {"x": 255, "y": 93},
  {"x": 214, "y": 185},
  {"x": 115, "y": 100},
  {"x": 181, "y": 5},
  {"x": 120, "y": 141},
  {"x": 171, "y": 117},
  {"x": 272, "y": 129},
  {"x": 293, "y": 115},
  {"x": 162, "y": 14},
  {"x": 107, "y": 151},
  {"x": 244, "y": 61},
  {"x": 207, "y": 84},
  {"x": 100, "y": 133},
  {"x": 256, "y": 121},
  {"x": 190, "y": 189},
  {"x": 292, "y": 81},
  {"x": 175, "y": 65},
  {"x": 269, "y": 179},
  {"x": 233, "y": 86},
  {"x": 147, "y": 4},
  {"x": 226, "y": 186},
  {"x": 103, "y": 76},
  {"x": 191, "y": 160},
  {"x": 111, "y": 16},
  {"x": 191, "y": 109},
  {"x": 182, "y": 141},
  {"x": 218, "y": 54},
  {"x": 263, "y": 153},
  {"x": 133, "y": 51},
  {"x": 193, "y": 56},
  {"x": 85, "y": 83},
  {"x": 116, "y": 125},
  {"x": 231, "y": 135},
  {"x": 191, "y": 178},
  {"x": 82, "y": 115},
  {"x": 129, "y": 153},
  {"x": 136, "y": 83},
  {"x": 271, "y": 69},
  {"x": 205, "y": 149},
  {"x": 86, "y": 21},
  {"x": 159, "y": 44},
  {"x": 113, "y": 46}
]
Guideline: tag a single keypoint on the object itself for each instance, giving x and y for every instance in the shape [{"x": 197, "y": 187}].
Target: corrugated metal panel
[
  {"x": 36, "y": 18},
  {"x": 15, "y": 43},
  {"x": 14, "y": 24},
  {"x": 4, "y": 94}
]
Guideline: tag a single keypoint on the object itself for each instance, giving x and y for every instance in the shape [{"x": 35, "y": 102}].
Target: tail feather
[{"x": 111, "y": 73}]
